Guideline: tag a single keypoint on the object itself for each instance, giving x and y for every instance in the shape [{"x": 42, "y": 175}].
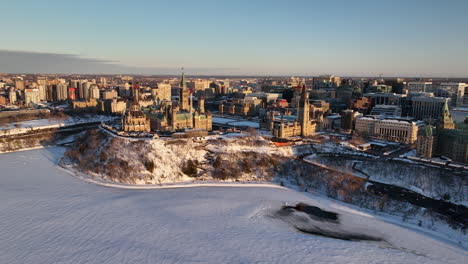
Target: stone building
[
  {"x": 113, "y": 106},
  {"x": 304, "y": 114},
  {"x": 453, "y": 143},
  {"x": 145, "y": 102},
  {"x": 425, "y": 146},
  {"x": 184, "y": 94},
  {"x": 361, "y": 105},
  {"x": 135, "y": 120},
  {"x": 171, "y": 117},
  {"x": 85, "y": 105},
  {"x": 445, "y": 121},
  {"x": 248, "y": 106},
  {"x": 392, "y": 129},
  {"x": 286, "y": 129},
  {"x": 302, "y": 126},
  {"x": 162, "y": 92},
  {"x": 452, "y": 139},
  {"x": 117, "y": 106},
  {"x": 448, "y": 139},
  {"x": 365, "y": 126}
]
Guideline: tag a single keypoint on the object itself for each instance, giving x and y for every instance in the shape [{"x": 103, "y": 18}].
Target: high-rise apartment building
[
  {"x": 85, "y": 87},
  {"x": 31, "y": 96},
  {"x": 61, "y": 91},
  {"x": 12, "y": 95},
  {"x": 94, "y": 92},
  {"x": 42, "y": 92}
]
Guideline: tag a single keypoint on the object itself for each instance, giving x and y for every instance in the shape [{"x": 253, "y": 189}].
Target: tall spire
[
  {"x": 304, "y": 118},
  {"x": 183, "y": 94},
  {"x": 183, "y": 83},
  {"x": 445, "y": 109},
  {"x": 445, "y": 121}
]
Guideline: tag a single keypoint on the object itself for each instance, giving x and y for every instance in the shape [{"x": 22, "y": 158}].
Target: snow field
[{"x": 49, "y": 217}]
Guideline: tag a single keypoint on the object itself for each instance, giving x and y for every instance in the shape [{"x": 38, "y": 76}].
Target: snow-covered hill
[
  {"x": 132, "y": 161},
  {"x": 100, "y": 156},
  {"x": 49, "y": 217}
]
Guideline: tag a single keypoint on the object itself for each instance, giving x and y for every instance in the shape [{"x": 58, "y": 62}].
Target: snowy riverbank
[{"x": 50, "y": 217}]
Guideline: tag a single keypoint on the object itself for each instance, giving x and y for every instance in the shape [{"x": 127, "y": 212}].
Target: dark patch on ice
[
  {"x": 314, "y": 212},
  {"x": 337, "y": 234},
  {"x": 314, "y": 220}
]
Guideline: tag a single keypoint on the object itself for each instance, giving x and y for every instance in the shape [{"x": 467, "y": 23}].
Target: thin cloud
[{"x": 43, "y": 62}]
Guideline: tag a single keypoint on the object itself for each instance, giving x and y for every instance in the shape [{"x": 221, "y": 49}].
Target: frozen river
[{"x": 48, "y": 216}]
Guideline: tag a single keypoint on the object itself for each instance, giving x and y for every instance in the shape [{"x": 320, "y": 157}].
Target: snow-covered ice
[
  {"x": 235, "y": 122},
  {"x": 246, "y": 123},
  {"x": 27, "y": 126},
  {"x": 48, "y": 216}
]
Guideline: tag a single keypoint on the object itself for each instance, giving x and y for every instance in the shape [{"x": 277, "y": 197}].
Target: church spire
[
  {"x": 183, "y": 82},
  {"x": 183, "y": 94},
  {"x": 445, "y": 121},
  {"x": 445, "y": 109}
]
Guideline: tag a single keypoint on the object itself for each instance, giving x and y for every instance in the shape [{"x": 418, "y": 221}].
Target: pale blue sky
[{"x": 295, "y": 37}]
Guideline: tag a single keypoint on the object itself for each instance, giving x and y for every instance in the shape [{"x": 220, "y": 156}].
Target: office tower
[
  {"x": 453, "y": 90},
  {"x": 427, "y": 107},
  {"x": 418, "y": 87}
]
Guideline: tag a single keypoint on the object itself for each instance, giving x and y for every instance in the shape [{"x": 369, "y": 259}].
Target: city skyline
[
  {"x": 208, "y": 131},
  {"x": 305, "y": 38}
]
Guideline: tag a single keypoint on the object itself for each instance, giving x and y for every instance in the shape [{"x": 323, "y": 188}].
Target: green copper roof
[
  {"x": 156, "y": 115},
  {"x": 428, "y": 131},
  {"x": 200, "y": 115},
  {"x": 183, "y": 116},
  {"x": 446, "y": 107},
  {"x": 183, "y": 83},
  {"x": 445, "y": 112}
]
